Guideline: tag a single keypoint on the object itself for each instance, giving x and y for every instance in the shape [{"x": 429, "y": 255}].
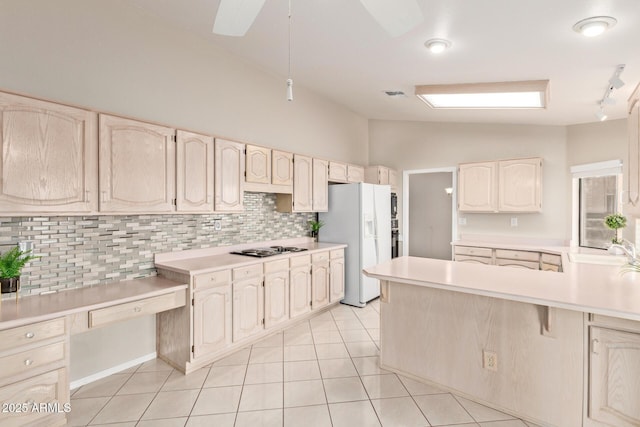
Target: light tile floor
[{"x": 322, "y": 372}]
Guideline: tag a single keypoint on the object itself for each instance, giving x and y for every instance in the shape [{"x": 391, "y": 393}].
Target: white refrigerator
[{"x": 360, "y": 216}]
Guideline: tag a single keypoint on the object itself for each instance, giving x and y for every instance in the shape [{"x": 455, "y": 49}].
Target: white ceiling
[{"x": 341, "y": 52}]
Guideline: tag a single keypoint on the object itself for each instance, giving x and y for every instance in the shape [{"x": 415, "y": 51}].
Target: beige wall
[
  {"x": 422, "y": 145},
  {"x": 113, "y": 57}
]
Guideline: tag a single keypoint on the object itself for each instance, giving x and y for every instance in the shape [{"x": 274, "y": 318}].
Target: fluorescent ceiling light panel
[{"x": 505, "y": 95}]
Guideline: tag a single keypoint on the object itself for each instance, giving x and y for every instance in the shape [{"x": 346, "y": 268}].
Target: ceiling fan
[{"x": 235, "y": 17}]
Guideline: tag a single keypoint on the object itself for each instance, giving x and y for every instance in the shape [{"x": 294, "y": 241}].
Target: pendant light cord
[{"x": 289, "y": 66}]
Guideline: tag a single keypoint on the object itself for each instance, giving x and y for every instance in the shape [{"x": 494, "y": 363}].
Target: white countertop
[
  {"x": 213, "y": 259},
  {"x": 591, "y": 288}
]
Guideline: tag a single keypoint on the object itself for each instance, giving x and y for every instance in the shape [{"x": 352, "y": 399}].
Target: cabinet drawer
[
  {"x": 50, "y": 387},
  {"x": 519, "y": 255},
  {"x": 338, "y": 253},
  {"x": 473, "y": 259},
  {"x": 549, "y": 267},
  {"x": 517, "y": 263},
  {"x": 614, "y": 322},
  {"x": 139, "y": 308},
  {"x": 16, "y": 337},
  {"x": 29, "y": 360},
  {"x": 297, "y": 261},
  {"x": 471, "y": 250},
  {"x": 273, "y": 266},
  {"x": 551, "y": 259},
  {"x": 246, "y": 272},
  {"x": 320, "y": 257},
  {"x": 208, "y": 280}
]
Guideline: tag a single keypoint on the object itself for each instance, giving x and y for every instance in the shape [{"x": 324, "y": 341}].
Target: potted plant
[
  {"x": 315, "y": 227},
  {"x": 11, "y": 263},
  {"x": 616, "y": 222}
]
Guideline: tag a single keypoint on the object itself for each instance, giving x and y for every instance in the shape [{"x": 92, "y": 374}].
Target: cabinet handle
[
  {"x": 28, "y": 362},
  {"x": 104, "y": 196},
  {"x": 87, "y": 193},
  {"x": 137, "y": 309},
  {"x": 595, "y": 346},
  {"x": 29, "y": 335}
]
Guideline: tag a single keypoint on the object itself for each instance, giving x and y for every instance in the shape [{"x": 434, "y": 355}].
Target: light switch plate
[
  {"x": 462, "y": 221},
  {"x": 514, "y": 222}
]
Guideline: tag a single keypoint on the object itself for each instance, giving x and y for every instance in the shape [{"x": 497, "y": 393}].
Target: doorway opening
[{"x": 429, "y": 212}]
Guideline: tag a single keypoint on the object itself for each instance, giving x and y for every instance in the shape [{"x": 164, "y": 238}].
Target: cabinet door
[
  {"x": 337, "y": 172},
  {"x": 520, "y": 185},
  {"x": 302, "y": 183},
  {"x": 248, "y": 308},
  {"x": 211, "y": 320},
  {"x": 383, "y": 175},
  {"x": 393, "y": 179},
  {"x": 48, "y": 158},
  {"x": 614, "y": 377},
  {"x": 229, "y": 176},
  {"x": 282, "y": 168},
  {"x": 300, "y": 290},
  {"x": 320, "y": 196},
  {"x": 276, "y": 298},
  {"x": 633, "y": 124},
  {"x": 320, "y": 285},
  {"x": 194, "y": 172},
  {"x": 477, "y": 187},
  {"x": 137, "y": 166},
  {"x": 258, "y": 164},
  {"x": 336, "y": 279},
  {"x": 355, "y": 173}
]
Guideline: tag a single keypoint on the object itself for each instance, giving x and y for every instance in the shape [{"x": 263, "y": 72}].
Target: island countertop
[{"x": 599, "y": 289}]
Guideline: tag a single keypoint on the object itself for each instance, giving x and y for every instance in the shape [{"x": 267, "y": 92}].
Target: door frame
[{"x": 405, "y": 203}]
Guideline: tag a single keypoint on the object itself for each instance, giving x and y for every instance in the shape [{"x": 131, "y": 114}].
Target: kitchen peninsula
[{"x": 559, "y": 349}]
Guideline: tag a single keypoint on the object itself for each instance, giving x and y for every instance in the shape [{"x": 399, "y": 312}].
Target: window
[{"x": 596, "y": 195}]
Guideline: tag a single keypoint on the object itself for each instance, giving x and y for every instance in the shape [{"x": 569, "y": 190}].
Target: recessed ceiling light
[
  {"x": 437, "y": 45},
  {"x": 594, "y": 26},
  {"x": 503, "y": 95}
]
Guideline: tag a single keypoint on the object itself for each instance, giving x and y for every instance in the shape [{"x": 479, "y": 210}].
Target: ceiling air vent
[{"x": 394, "y": 93}]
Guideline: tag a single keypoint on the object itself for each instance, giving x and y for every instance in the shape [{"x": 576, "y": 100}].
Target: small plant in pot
[
  {"x": 616, "y": 222},
  {"x": 315, "y": 227},
  {"x": 11, "y": 264}
]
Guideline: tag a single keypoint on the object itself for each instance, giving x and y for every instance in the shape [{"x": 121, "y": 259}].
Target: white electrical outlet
[
  {"x": 462, "y": 221},
  {"x": 514, "y": 221},
  {"x": 217, "y": 225},
  {"x": 490, "y": 360}
]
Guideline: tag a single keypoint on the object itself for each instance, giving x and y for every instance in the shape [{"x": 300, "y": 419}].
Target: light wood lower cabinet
[
  {"x": 212, "y": 320},
  {"x": 336, "y": 279},
  {"x": 48, "y": 157},
  {"x": 276, "y": 292},
  {"x": 248, "y": 302},
  {"x": 300, "y": 289},
  {"x": 137, "y": 166},
  {"x": 614, "y": 378},
  {"x": 319, "y": 280}
]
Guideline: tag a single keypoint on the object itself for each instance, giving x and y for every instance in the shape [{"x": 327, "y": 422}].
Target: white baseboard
[{"x": 114, "y": 370}]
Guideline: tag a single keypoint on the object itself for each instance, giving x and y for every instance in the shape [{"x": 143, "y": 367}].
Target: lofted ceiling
[{"x": 341, "y": 52}]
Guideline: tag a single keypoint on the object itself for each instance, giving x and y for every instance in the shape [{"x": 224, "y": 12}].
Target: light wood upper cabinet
[
  {"x": 194, "y": 172},
  {"x": 614, "y": 378},
  {"x": 393, "y": 180},
  {"x": 355, "y": 173},
  {"x": 258, "y": 168},
  {"x": 477, "y": 187},
  {"x": 520, "y": 185},
  {"x": 211, "y": 320},
  {"x": 49, "y": 157},
  {"x": 338, "y": 172},
  {"x": 229, "y": 176},
  {"x": 377, "y": 175},
  {"x": 282, "y": 168},
  {"x": 137, "y": 166},
  {"x": 301, "y": 199},
  {"x": 633, "y": 124},
  {"x": 320, "y": 193}
]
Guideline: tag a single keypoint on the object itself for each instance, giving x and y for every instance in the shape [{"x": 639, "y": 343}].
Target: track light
[
  {"x": 614, "y": 83},
  {"x": 601, "y": 115},
  {"x": 289, "y": 90}
]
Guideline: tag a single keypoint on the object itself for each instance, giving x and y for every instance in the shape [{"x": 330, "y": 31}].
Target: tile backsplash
[{"x": 87, "y": 250}]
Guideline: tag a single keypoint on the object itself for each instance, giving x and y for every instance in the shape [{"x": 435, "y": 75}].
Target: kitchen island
[{"x": 558, "y": 349}]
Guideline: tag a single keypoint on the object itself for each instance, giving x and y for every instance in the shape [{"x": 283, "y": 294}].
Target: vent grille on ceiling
[{"x": 393, "y": 93}]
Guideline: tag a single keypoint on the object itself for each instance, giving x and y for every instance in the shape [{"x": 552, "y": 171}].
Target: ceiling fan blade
[
  {"x": 395, "y": 16},
  {"x": 234, "y": 17}
]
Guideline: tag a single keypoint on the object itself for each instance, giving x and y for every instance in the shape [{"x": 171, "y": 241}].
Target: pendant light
[{"x": 289, "y": 79}]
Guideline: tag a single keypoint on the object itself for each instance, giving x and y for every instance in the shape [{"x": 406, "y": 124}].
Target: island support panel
[{"x": 440, "y": 336}]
